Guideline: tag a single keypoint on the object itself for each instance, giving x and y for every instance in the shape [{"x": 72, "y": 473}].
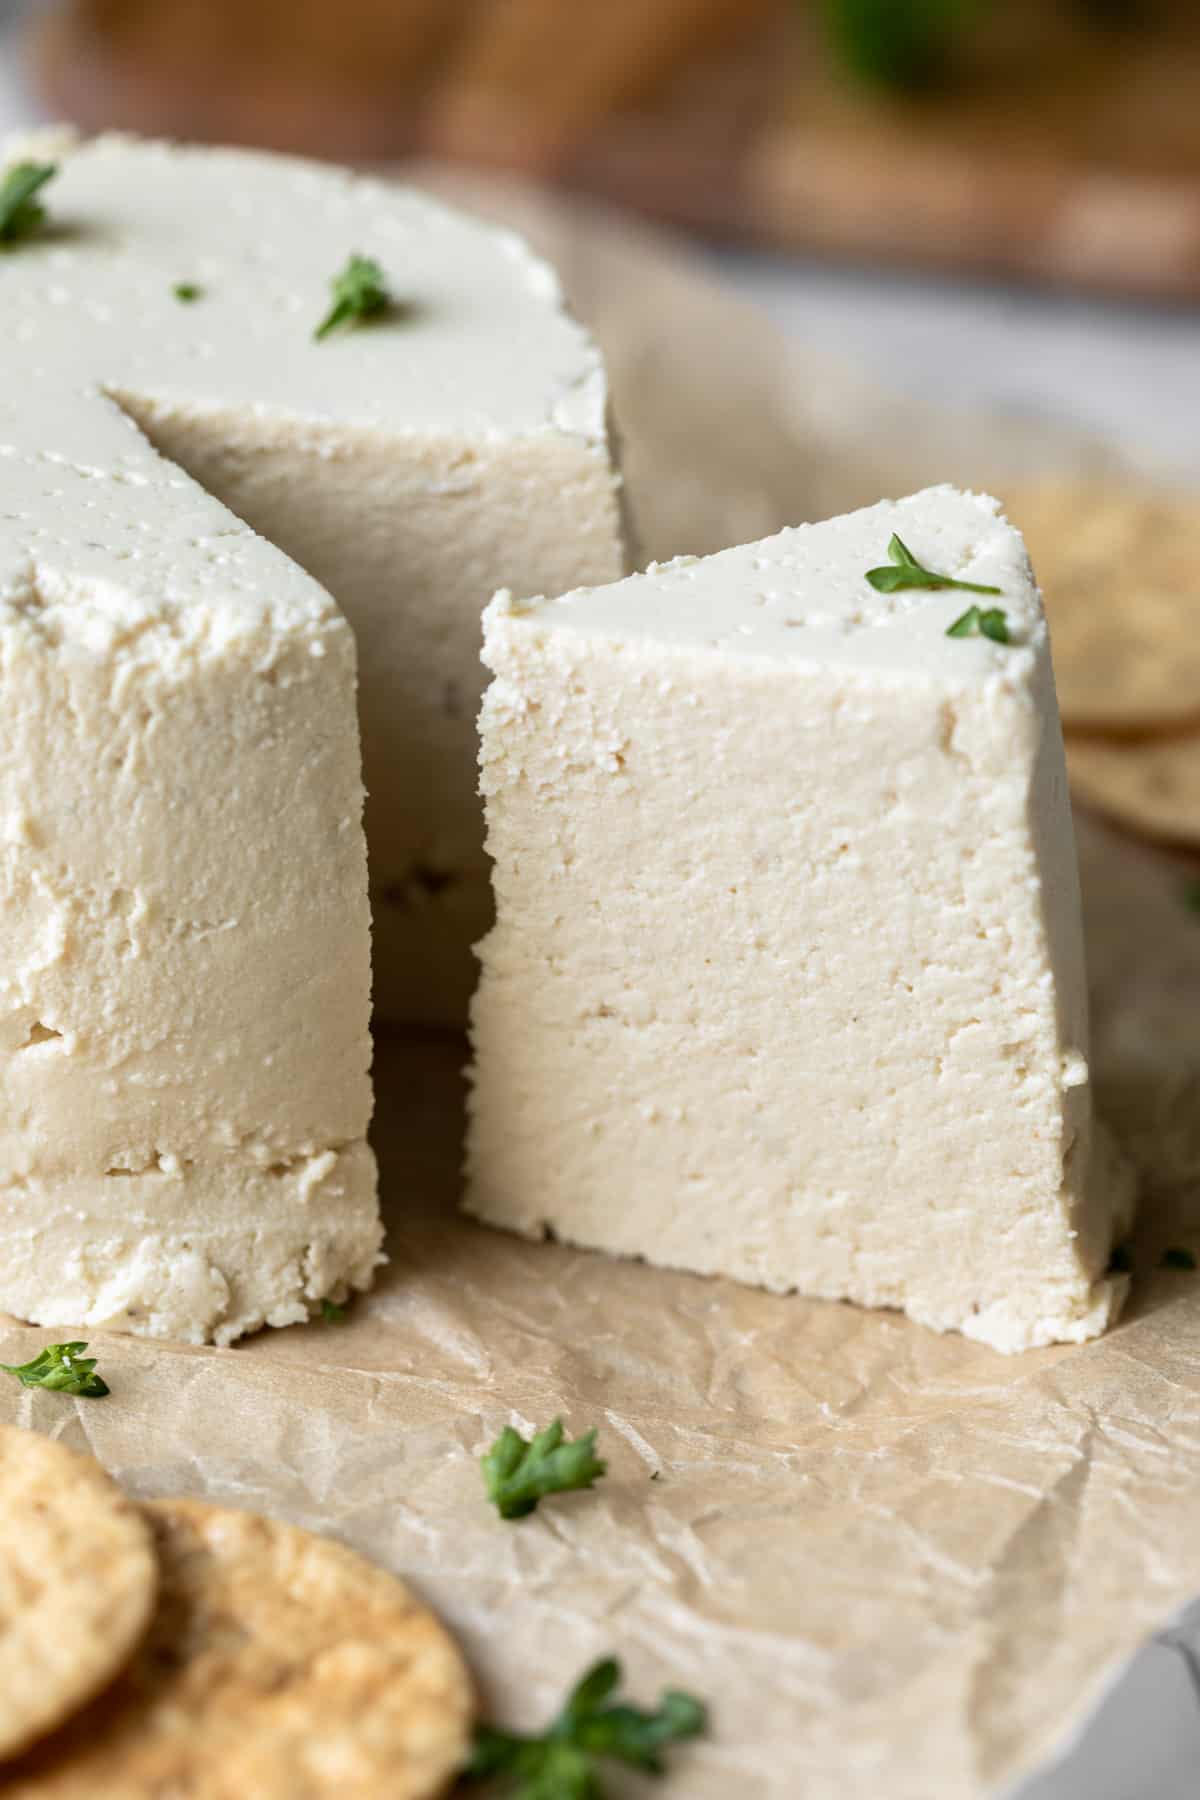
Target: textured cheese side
[
  {"x": 185, "y": 992},
  {"x": 787, "y": 981},
  {"x": 411, "y": 467}
]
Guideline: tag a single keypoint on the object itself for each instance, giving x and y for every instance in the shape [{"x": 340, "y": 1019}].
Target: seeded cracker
[
  {"x": 1119, "y": 574},
  {"x": 279, "y": 1666},
  {"x": 78, "y": 1578}
]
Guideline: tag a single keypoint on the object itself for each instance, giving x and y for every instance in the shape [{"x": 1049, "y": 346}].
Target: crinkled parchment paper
[{"x": 896, "y": 1563}]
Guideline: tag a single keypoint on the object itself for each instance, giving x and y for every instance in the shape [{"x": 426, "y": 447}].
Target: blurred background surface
[{"x": 1042, "y": 156}]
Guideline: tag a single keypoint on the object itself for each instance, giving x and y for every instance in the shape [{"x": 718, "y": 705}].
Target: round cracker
[
  {"x": 78, "y": 1578},
  {"x": 279, "y": 1665},
  {"x": 1152, "y": 787},
  {"x": 1120, "y": 571}
]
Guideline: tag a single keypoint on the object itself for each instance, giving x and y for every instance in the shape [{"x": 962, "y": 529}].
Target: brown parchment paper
[{"x": 896, "y": 1564}]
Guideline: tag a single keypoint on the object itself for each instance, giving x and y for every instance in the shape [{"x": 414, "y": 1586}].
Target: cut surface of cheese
[
  {"x": 787, "y": 979},
  {"x": 455, "y": 444},
  {"x": 184, "y": 1003}
]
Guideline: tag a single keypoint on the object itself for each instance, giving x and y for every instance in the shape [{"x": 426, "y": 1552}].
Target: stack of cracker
[
  {"x": 1121, "y": 572},
  {"x": 182, "y": 1648}
]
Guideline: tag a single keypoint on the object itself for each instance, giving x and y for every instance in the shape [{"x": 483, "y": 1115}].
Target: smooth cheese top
[
  {"x": 480, "y": 341},
  {"x": 98, "y": 534},
  {"x": 801, "y": 598},
  {"x": 107, "y": 547}
]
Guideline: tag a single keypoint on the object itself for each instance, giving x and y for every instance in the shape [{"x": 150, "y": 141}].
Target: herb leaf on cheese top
[
  {"x": 20, "y": 214},
  {"x": 359, "y": 292},
  {"x": 62, "y": 1367},
  {"x": 187, "y": 291},
  {"x": 989, "y": 622},
  {"x": 559, "y": 1765},
  {"x": 332, "y": 1313},
  {"x": 519, "y": 1472},
  {"x": 904, "y": 571}
]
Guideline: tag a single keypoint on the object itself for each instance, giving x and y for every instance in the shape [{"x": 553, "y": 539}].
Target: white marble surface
[{"x": 1124, "y": 372}]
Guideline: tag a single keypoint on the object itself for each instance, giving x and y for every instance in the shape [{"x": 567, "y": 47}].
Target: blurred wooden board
[{"x": 1058, "y": 153}]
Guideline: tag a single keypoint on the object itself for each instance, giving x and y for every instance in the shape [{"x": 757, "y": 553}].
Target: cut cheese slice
[
  {"x": 787, "y": 979},
  {"x": 412, "y": 466}
]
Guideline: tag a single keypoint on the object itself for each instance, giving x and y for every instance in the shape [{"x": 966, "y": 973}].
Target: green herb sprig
[
  {"x": 359, "y": 292},
  {"x": 1191, "y": 896},
  {"x": 987, "y": 621},
  {"x": 186, "y": 292},
  {"x": 1178, "y": 1257},
  {"x": 1121, "y": 1260},
  {"x": 902, "y": 570},
  {"x": 332, "y": 1313},
  {"x": 560, "y": 1765},
  {"x": 63, "y": 1368},
  {"x": 904, "y": 44},
  {"x": 519, "y": 1472},
  {"x": 21, "y": 215}
]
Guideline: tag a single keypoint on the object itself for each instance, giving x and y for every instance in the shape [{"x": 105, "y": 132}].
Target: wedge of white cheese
[
  {"x": 787, "y": 980},
  {"x": 454, "y": 444}
]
